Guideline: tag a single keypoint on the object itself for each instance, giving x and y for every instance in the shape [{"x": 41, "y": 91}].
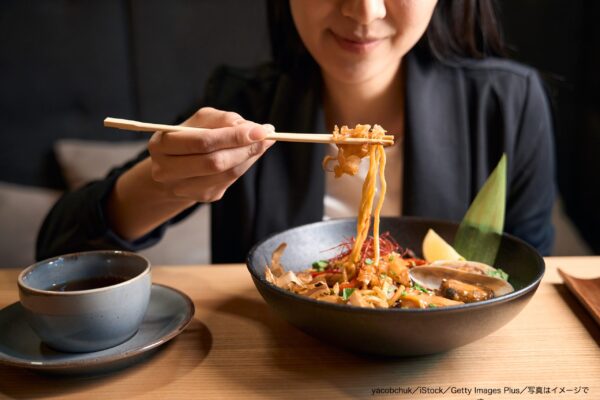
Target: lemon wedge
[{"x": 435, "y": 248}]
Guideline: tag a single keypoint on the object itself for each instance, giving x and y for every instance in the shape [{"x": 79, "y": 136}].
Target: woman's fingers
[
  {"x": 208, "y": 117},
  {"x": 200, "y": 166},
  {"x": 168, "y": 167},
  {"x": 211, "y": 188},
  {"x": 211, "y": 140}
]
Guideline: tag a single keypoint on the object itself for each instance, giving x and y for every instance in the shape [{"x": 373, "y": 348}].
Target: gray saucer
[{"x": 168, "y": 314}]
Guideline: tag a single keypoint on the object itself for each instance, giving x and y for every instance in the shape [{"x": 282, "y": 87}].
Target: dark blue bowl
[{"x": 391, "y": 332}]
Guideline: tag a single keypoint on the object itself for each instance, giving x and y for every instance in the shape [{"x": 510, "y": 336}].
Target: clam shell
[
  {"x": 430, "y": 277},
  {"x": 467, "y": 266}
]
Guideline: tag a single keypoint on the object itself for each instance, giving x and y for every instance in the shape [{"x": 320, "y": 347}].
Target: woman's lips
[{"x": 359, "y": 46}]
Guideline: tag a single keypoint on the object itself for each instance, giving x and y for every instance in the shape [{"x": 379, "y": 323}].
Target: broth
[{"x": 87, "y": 283}]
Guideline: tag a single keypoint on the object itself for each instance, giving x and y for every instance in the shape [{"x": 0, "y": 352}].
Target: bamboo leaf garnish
[{"x": 480, "y": 232}]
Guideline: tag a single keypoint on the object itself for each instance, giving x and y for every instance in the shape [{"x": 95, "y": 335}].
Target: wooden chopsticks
[{"x": 130, "y": 125}]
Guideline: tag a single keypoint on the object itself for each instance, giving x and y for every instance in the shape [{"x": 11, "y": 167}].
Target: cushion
[
  {"x": 22, "y": 211},
  {"x": 81, "y": 161}
]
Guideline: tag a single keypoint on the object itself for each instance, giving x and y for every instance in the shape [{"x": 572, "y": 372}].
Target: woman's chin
[{"x": 356, "y": 73}]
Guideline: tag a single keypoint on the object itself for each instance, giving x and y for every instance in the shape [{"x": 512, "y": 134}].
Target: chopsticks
[{"x": 130, "y": 125}]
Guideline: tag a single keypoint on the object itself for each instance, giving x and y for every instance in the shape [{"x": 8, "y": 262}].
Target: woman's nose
[{"x": 364, "y": 11}]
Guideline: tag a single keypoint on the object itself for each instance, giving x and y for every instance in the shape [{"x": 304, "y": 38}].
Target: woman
[{"x": 419, "y": 68}]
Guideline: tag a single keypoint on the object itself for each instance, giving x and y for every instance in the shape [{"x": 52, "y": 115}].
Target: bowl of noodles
[
  {"x": 402, "y": 289},
  {"x": 404, "y": 327}
]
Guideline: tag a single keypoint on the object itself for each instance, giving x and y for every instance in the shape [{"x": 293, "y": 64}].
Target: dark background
[
  {"x": 65, "y": 65},
  {"x": 562, "y": 39}
]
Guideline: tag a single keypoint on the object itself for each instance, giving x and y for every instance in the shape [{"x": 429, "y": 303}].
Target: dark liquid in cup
[{"x": 86, "y": 284}]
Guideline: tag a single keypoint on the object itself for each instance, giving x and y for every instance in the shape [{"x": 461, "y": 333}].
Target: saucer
[{"x": 168, "y": 314}]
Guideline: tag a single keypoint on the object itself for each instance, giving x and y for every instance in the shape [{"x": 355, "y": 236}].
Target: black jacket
[{"x": 460, "y": 118}]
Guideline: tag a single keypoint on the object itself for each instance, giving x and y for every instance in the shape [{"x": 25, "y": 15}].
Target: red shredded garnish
[
  {"x": 345, "y": 246},
  {"x": 387, "y": 245}
]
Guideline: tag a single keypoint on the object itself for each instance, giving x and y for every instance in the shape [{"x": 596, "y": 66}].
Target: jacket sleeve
[
  {"x": 532, "y": 183},
  {"x": 77, "y": 221}
]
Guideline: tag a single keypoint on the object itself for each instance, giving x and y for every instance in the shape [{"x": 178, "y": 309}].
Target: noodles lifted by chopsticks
[
  {"x": 373, "y": 271},
  {"x": 369, "y": 271},
  {"x": 348, "y": 160}
]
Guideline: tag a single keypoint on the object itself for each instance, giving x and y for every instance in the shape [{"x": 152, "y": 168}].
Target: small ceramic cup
[{"x": 69, "y": 309}]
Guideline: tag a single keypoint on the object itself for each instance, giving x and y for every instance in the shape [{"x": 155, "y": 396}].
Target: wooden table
[{"x": 237, "y": 348}]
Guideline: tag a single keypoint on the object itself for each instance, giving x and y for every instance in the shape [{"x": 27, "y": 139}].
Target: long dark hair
[{"x": 458, "y": 29}]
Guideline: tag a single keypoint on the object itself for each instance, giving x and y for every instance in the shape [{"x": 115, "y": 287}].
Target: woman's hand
[
  {"x": 185, "y": 168},
  {"x": 201, "y": 166}
]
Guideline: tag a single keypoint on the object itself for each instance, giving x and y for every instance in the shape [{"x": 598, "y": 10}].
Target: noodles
[
  {"x": 370, "y": 271},
  {"x": 348, "y": 159}
]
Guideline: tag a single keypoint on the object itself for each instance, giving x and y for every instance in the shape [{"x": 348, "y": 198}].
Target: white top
[{"x": 342, "y": 195}]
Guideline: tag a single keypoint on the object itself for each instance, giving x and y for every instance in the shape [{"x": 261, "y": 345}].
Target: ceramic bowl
[
  {"x": 83, "y": 319},
  {"x": 391, "y": 332}
]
